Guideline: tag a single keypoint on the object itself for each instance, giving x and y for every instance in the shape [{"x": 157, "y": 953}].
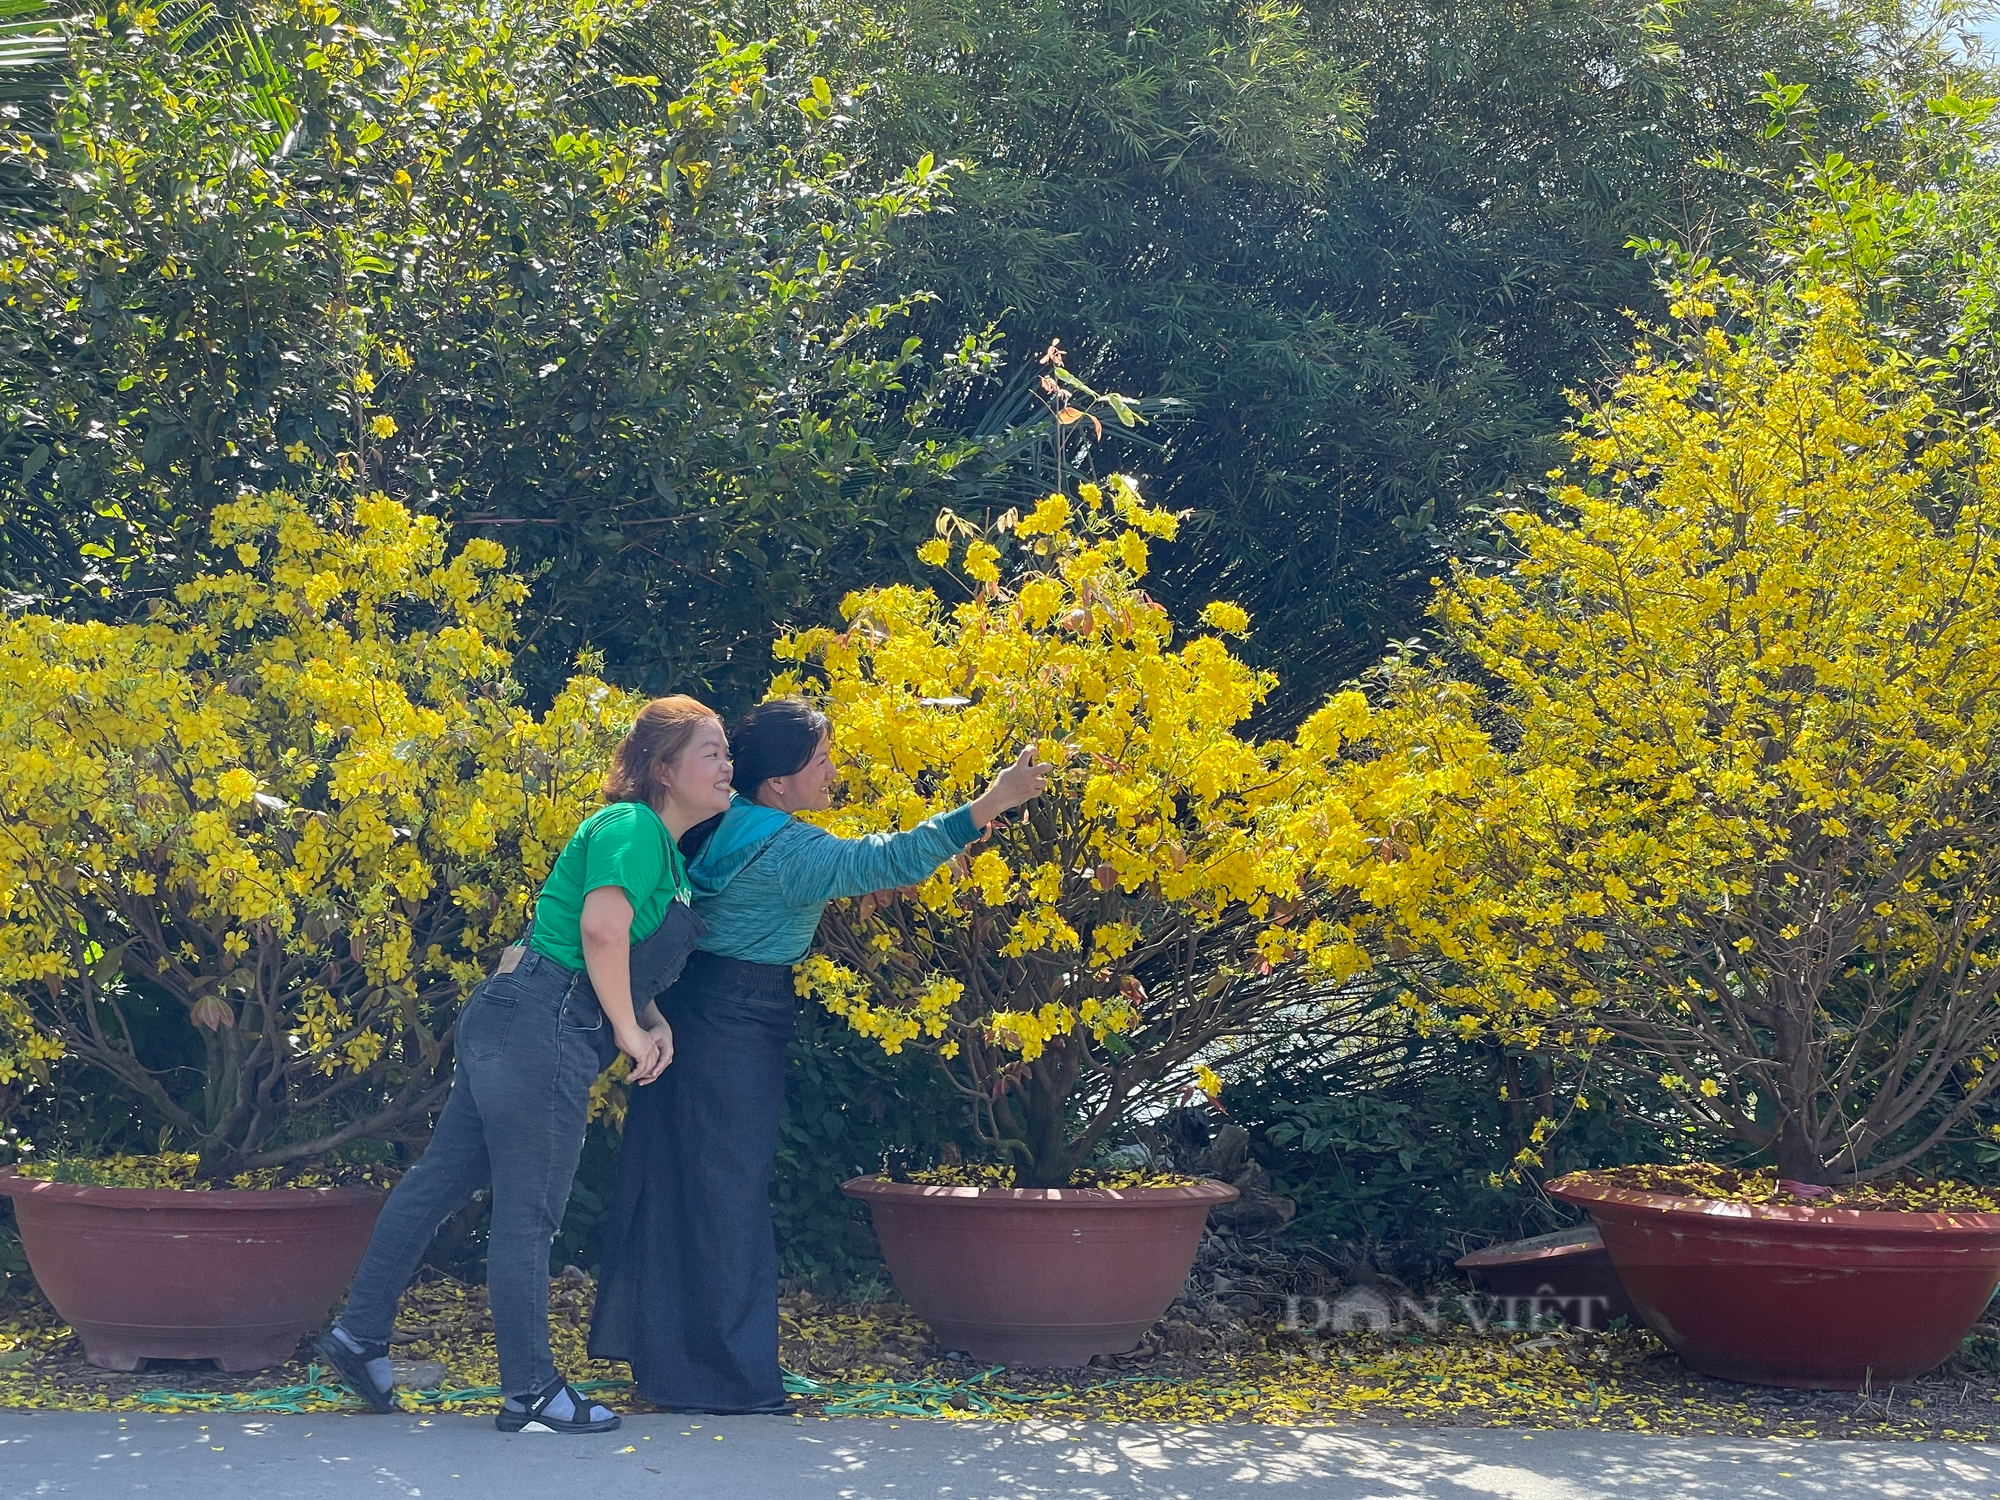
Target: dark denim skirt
[{"x": 688, "y": 1288}]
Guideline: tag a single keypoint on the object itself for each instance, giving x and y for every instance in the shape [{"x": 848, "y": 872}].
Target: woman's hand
[
  {"x": 1019, "y": 784},
  {"x": 643, "y": 1047},
  {"x": 606, "y": 933},
  {"x": 663, "y": 1038}
]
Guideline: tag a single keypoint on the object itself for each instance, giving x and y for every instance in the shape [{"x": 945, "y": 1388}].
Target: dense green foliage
[
  {"x": 471, "y": 261},
  {"x": 1371, "y": 247},
  {"x": 642, "y": 303},
  {"x": 1407, "y": 1164}
]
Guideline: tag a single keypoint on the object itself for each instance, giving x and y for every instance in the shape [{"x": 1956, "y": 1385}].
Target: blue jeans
[{"x": 529, "y": 1045}]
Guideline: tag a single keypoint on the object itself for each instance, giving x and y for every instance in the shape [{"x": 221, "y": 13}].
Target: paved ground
[{"x": 748, "y": 1458}]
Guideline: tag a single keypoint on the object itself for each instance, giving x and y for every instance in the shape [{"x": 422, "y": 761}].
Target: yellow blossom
[
  {"x": 1166, "y": 829},
  {"x": 1231, "y": 619},
  {"x": 1049, "y": 518},
  {"x": 294, "y": 768},
  {"x": 235, "y": 787},
  {"x": 982, "y": 562},
  {"x": 1741, "y": 799}
]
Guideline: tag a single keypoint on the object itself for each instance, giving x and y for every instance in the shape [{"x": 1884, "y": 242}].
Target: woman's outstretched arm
[{"x": 820, "y": 867}]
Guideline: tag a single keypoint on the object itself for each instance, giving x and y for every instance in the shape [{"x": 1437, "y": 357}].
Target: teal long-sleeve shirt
[{"x": 763, "y": 878}]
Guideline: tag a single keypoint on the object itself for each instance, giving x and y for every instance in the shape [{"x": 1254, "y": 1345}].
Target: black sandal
[
  {"x": 534, "y": 1417},
  {"x": 353, "y": 1367}
]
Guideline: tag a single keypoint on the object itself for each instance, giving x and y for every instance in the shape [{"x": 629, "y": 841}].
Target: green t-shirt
[{"x": 625, "y": 845}]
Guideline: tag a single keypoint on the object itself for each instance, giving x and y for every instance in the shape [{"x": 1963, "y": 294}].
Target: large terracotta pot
[
  {"x": 1038, "y": 1276},
  {"x": 1567, "y": 1275},
  {"x": 1796, "y": 1295},
  {"x": 145, "y": 1273}
]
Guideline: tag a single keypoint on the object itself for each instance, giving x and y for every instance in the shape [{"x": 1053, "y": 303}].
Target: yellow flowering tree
[
  {"x": 1737, "y": 828},
  {"x": 294, "y": 813},
  {"x": 1181, "y": 888}
]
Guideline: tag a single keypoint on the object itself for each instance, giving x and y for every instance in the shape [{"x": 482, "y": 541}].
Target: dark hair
[
  {"x": 776, "y": 738},
  {"x": 661, "y": 732}
]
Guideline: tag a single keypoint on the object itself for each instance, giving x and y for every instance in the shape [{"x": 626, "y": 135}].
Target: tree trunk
[
  {"x": 1047, "y": 1165},
  {"x": 1797, "y": 1157},
  {"x": 1795, "y": 1149}
]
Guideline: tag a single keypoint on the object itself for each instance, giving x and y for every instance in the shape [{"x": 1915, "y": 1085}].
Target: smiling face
[
  {"x": 694, "y": 785},
  {"x": 808, "y": 789}
]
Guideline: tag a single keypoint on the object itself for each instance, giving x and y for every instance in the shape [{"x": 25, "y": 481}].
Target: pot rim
[
  {"x": 1560, "y": 1244},
  {"x": 218, "y": 1200},
  {"x": 1208, "y": 1193},
  {"x": 1576, "y": 1188}
]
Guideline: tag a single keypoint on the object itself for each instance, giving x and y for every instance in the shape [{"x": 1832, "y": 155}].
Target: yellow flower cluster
[
  {"x": 1765, "y": 1185},
  {"x": 182, "y": 1169},
  {"x": 991, "y": 1175},
  {"x": 1178, "y": 882},
  {"x": 300, "y": 804},
  {"x": 1743, "y": 815}
]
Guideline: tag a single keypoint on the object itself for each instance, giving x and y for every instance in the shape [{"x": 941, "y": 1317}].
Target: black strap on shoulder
[{"x": 697, "y": 837}]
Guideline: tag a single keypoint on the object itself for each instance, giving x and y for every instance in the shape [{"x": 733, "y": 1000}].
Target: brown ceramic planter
[
  {"x": 1567, "y": 1275},
  {"x": 1038, "y": 1276},
  {"x": 145, "y": 1273},
  {"x": 1796, "y": 1295}
]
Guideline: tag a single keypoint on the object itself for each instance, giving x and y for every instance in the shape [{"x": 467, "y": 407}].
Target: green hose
[
  {"x": 928, "y": 1397},
  {"x": 907, "y": 1398},
  {"x": 320, "y": 1389}
]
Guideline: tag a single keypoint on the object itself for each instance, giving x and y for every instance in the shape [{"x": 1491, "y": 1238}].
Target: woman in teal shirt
[
  {"x": 612, "y": 929},
  {"x": 688, "y": 1289}
]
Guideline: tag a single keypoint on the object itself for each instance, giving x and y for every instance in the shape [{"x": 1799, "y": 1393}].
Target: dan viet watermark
[{"x": 1369, "y": 1309}]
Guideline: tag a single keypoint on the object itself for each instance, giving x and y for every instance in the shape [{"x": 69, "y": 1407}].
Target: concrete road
[{"x": 750, "y": 1458}]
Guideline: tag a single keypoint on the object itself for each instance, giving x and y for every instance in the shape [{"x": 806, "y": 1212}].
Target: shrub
[
  {"x": 260, "y": 845},
  {"x": 1737, "y": 827},
  {"x": 1370, "y": 245},
  {"x": 1180, "y": 891},
  {"x": 847, "y": 1107},
  {"x": 1403, "y": 1159},
  {"x": 467, "y": 255}
]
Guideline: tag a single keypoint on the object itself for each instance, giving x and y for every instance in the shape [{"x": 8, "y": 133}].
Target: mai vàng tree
[
  {"x": 255, "y": 849},
  {"x": 1181, "y": 888},
  {"x": 1737, "y": 827}
]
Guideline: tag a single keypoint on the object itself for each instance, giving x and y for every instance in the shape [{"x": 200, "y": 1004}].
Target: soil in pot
[
  {"x": 1750, "y": 1279},
  {"x": 236, "y": 1276},
  {"x": 1038, "y": 1276}
]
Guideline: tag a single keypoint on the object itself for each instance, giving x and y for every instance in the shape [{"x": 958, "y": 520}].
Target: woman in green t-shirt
[{"x": 612, "y": 929}]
